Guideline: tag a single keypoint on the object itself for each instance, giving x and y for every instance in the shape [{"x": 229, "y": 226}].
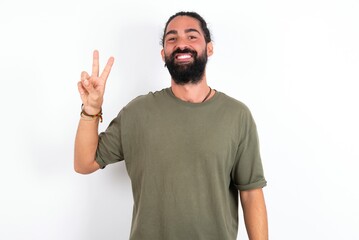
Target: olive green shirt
[{"x": 186, "y": 162}]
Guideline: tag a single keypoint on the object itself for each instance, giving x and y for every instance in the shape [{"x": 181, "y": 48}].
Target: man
[{"x": 188, "y": 148}]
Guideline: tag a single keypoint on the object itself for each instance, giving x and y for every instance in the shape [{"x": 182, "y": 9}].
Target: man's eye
[
  {"x": 171, "y": 39},
  {"x": 192, "y": 37}
]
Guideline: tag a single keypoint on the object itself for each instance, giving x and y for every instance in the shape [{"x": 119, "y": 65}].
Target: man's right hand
[{"x": 92, "y": 88}]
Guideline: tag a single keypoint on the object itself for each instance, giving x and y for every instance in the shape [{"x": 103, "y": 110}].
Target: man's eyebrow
[
  {"x": 191, "y": 30},
  {"x": 186, "y": 31},
  {"x": 171, "y": 32}
]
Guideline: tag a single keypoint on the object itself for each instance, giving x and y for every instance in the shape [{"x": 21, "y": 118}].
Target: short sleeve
[
  {"x": 247, "y": 172},
  {"x": 109, "y": 149}
]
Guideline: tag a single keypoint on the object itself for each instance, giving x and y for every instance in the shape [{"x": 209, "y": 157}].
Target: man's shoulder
[
  {"x": 232, "y": 103},
  {"x": 146, "y": 100}
]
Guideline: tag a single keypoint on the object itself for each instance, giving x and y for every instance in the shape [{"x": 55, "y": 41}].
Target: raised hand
[{"x": 92, "y": 88}]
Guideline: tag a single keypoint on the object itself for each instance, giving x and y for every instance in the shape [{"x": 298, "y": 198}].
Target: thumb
[
  {"x": 86, "y": 82},
  {"x": 88, "y": 85}
]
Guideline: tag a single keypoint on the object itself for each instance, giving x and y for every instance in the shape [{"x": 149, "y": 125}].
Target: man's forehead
[{"x": 183, "y": 23}]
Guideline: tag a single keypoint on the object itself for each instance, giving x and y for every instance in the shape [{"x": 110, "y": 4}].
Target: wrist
[
  {"x": 92, "y": 115},
  {"x": 90, "y": 110}
]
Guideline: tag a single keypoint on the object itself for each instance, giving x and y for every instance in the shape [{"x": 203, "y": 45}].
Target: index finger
[
  {"x": 95, "y": 63},
  {"x": 107, "y": 69}
]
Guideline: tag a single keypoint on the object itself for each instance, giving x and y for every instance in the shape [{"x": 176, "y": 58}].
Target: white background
[{"x": 294, "y": 63}]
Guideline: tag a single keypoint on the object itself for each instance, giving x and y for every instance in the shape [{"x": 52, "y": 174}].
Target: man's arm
[
  {"x": 255, "y": 214},
  {"x": 91, "y": 89},
  {"x": 85, "y": 146}
]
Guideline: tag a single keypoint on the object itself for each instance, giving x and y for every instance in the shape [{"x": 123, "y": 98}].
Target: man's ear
[
  {"x": 163, "y": 54},
  {"x": 209, "y": 49}
]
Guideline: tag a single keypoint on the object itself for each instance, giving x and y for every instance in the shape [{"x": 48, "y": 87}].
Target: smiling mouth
[{"x": 183, "y": 57}]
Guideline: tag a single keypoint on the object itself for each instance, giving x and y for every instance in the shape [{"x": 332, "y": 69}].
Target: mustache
[
  {"x": 178, "y": 50},
  {"x": 185, "y": 50}
]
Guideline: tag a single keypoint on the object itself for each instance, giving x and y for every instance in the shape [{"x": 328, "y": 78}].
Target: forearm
[
  {"x": 86, "y": 142},
  {"x": 255, "y": 214},
  {"x": 91, "y": 89}
]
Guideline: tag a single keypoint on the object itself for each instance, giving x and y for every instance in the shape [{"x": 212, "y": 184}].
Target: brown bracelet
[{"x": 98, "y": 115}]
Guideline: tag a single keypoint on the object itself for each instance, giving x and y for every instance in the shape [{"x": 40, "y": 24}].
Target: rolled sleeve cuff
[
  {"x": 100, "y": 161},
  {"x": 259, "y": 184}
]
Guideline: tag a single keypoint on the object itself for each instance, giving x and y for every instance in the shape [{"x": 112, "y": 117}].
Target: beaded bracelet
[{"x": 83, "y": 113}]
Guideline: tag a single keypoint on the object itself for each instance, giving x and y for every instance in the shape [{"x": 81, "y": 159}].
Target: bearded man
[{"x": 188, "y": 149}]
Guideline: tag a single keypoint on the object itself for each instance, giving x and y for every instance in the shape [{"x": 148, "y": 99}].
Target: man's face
[{"x": 185, "y": 51}]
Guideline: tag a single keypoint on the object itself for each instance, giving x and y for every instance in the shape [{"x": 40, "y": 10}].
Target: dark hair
[{"x": 202, "y": 23}]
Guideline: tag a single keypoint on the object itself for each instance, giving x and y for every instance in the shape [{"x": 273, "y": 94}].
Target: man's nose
[{"x": 182, "y": 43}]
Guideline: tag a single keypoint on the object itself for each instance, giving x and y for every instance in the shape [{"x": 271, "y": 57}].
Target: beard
[{"x": 186, "y": 73}]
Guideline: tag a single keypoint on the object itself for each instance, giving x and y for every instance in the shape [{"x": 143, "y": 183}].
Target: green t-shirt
[{"x": 186, "y": 162}]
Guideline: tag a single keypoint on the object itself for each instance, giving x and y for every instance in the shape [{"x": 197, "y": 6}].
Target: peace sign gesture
[{"x": 92, "y": 88}]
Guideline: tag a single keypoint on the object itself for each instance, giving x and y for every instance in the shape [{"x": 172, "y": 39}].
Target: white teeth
[{"x": 183, "y": 56}]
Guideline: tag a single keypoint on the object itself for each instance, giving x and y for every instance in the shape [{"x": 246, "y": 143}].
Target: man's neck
[{"x": 194, "y": 93}]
